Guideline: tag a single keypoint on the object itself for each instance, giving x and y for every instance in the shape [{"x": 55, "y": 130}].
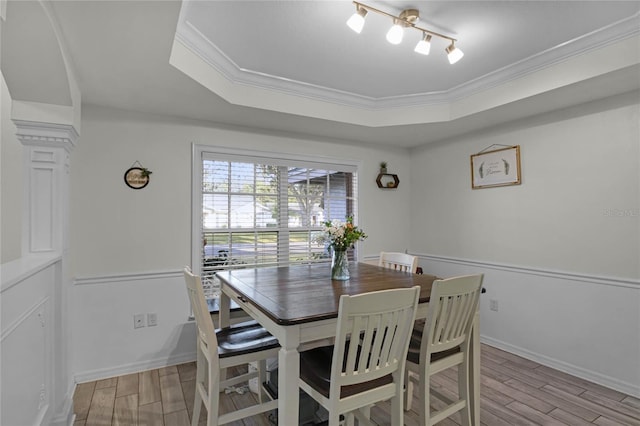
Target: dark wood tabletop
[{"x": 303, "y": 293}]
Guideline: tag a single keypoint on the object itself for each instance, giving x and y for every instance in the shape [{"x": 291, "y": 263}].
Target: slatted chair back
[
  {"x": 383, "y": 321},
  {"x": 452, "y": 306},
  {"x": 205, "y": 329},
  {"x": 398, "y": 261}
]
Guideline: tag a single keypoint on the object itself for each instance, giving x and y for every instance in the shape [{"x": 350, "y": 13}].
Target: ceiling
[
  {"x": 308, "y": 41},
  {"x": 295, "y": 67}
]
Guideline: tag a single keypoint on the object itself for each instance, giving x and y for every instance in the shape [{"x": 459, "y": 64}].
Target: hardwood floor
[{"x": 514, "y": 391}]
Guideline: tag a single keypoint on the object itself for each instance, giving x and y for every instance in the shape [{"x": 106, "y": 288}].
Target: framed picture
[
  {"x": 500, "y": 167},
  {"x": 136, "y": 177}
]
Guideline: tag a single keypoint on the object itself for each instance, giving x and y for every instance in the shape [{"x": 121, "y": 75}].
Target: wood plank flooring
[{"x": 514, "y": 391}]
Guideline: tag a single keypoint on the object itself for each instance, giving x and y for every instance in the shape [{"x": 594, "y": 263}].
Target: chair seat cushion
[
  {"x": 315, "y": 369},
  {"x": 244, "y": 338},
  {"x": 413, "y": 355}
]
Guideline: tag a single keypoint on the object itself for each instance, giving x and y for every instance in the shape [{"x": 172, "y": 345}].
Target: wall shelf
[{"x": 387, "y": 180}]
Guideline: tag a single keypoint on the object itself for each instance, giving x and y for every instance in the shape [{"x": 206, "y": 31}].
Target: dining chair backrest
[
  {"x": 383, "y": 320},
  {"x": 366, "y": 363},
  {"x": 398, "y": 261},
  {"x": 205, "y": 329},
  {"x": 452, "y": 306}
]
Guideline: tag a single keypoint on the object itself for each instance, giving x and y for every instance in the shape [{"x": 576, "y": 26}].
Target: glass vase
[{"x": 339, "y": 265}]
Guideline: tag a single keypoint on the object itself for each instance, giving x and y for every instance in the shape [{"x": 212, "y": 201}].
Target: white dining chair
[
  {"x": 366, "y": 363},
  {"x": 398, "y": 261},
  {"x": 440, "y": 342},
  {"x": 220, "y": 349}
]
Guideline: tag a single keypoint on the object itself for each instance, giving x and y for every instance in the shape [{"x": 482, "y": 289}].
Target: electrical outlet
[
  {"x": 493, "y": 305},
  {"x": 152, "y": 319},
  {"x": 138, "y": 321}
]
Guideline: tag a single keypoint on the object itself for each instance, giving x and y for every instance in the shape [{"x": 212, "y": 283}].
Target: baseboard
[
  {"x": 66, "y": 416},
  {"x": 136, "y": 367},
  {"x": 625, "y": 387}
]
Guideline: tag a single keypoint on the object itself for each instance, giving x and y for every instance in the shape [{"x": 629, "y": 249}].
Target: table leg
[
  {"x": 474, "y": 403},
  {"x": 224, "y": 314},
  {"x": 224, "y": 320},
  {"x": 288, "y": 390}
]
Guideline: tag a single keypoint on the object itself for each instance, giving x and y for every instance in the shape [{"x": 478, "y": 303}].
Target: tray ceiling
[{"x": 294, "y": 67}]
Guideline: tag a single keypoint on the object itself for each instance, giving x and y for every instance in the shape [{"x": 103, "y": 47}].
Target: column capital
[{"x": 34, "y": 133}]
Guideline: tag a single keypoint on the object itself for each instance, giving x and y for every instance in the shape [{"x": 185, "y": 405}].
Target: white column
[{"x": 47, "y": 148}]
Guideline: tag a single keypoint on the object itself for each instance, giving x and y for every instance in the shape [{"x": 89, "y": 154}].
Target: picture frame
[
  {"x": 500, "y": 167},
  {"x": 136, "y": 177}
]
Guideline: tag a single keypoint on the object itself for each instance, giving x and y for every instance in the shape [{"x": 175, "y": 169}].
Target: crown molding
[
  {"x": 603, "y": 37},
  {"x": 34, "y": 133},
  {"x": 194, "y": 40}
]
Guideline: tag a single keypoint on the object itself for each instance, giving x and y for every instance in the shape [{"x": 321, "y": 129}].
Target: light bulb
[
  {"x": 356, "y": 22},
  {"x": 394, "y": 36},
  {"x": 424, "y": 46},
  {"x": 454, "y": 54}
]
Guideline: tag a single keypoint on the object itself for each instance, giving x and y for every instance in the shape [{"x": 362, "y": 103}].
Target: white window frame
[{"x": 249, "y": 155}]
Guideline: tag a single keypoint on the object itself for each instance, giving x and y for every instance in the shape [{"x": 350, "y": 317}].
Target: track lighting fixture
[{"x": 406, "y": 19}]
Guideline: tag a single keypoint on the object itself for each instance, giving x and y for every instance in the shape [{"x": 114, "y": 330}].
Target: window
[{"x": 253, "y": 209}]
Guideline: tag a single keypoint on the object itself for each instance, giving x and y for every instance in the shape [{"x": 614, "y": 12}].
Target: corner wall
[
  {"x": 561, "y": 251},
  {"x": 11, "y": 182}
]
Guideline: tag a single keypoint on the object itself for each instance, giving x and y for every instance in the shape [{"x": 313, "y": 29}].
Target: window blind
[{"x": 260, "y": 211}]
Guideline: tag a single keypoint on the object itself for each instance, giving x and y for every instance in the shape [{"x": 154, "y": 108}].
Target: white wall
[
  {"x": 127, "y": 245},
  {"x": 29, "y": 342},
  {"x": 105, "y": 342},
  {"x": 578, "y": 166},
  {"x": 11, "y": 181},
  {"x": 561, "y": 251},
  {"x": 118, "y": 230}
]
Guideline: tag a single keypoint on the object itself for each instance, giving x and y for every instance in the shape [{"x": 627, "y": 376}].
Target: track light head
[
  {"x": 453, "y": 53},
  {"x": 356, "y": 22},
  {"x": 424, "y": 46},
  {"x": 395, "y": 34}
]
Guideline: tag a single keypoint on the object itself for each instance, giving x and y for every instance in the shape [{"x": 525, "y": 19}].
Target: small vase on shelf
[{"x": 339, "y": 265}]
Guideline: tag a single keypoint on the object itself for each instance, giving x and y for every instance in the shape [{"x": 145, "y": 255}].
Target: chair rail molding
[
  {"x": 128, "y": 278},
  {"x": 596, "y": 279}
]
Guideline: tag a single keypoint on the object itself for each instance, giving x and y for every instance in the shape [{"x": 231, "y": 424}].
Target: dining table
[{"x": 298, "y": 304}]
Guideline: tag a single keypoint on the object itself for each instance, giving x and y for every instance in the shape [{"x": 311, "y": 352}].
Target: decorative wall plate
[{"x": 136, "y": 177}]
